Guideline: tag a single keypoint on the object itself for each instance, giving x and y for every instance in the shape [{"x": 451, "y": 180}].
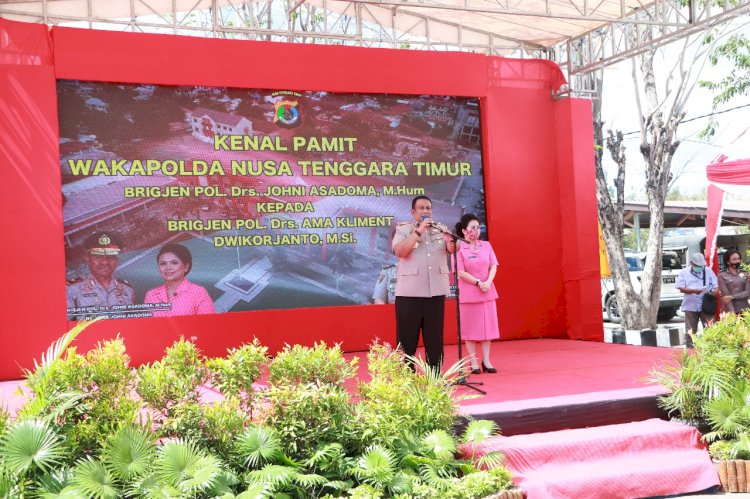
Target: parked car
[
  {"x": 686, "y": 245},
  {"x": 670, "y": 299}
]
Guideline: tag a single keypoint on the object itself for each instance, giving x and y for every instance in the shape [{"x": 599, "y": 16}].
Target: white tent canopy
[{"x": 581, "y": 35}]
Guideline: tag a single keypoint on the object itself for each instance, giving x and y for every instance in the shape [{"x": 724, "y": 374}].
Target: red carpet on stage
[
  {"x": 641, "y": 459},
  {"x": 544, "y": 368},
  {"x": 549, "y": 384}
]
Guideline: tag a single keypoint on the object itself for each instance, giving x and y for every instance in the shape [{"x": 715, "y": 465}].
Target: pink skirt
[{"x": 479, "y": 321}]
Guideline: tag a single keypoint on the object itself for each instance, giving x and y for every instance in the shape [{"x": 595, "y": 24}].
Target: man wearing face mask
[
  {"x": 733, "y": 283},
  {"x": 422, "y": 250},
  {"x": 695, "y": 281}
]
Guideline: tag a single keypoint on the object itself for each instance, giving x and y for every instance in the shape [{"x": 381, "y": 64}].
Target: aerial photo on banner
[{"x": 196, "y": 200}]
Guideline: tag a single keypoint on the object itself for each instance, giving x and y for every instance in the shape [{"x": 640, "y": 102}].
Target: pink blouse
[
  {"x": 189, "y": 299},
  {"x": 476, "y": 262}
]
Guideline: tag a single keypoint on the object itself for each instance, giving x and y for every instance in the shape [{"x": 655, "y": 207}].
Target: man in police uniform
[
  {"x": 385, "y": 287},
  {"x": 99, "y": 287},
  {"x": 422, "y": 249}
]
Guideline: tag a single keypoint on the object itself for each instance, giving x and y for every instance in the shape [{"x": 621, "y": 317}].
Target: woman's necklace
[{"x": 171, "y": 291}]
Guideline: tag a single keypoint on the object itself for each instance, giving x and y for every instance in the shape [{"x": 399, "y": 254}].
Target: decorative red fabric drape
[{"x": 729, "y": 172}]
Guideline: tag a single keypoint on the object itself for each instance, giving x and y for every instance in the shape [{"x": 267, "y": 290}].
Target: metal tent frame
[{"x": 580, "y": 35}]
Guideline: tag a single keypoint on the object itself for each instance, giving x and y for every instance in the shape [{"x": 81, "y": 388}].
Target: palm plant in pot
[{"x": 709, "y": 372}]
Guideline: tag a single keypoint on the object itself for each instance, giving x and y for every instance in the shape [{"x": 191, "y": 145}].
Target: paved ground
[{"x": 677, "y": 319}]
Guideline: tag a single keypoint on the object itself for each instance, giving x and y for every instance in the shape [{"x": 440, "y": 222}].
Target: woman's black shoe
[
  {"x": 490, "y": 370},
  {"x": 476, "y": 371}
]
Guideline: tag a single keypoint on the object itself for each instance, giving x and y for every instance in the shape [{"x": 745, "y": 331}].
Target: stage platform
[
  {"x": 548, "y": 384},
  {"x": 541, "y": 385}
]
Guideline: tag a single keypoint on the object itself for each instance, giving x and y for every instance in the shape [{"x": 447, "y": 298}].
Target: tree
[
  {"x": 661, "y": 109},
  {"x": 735, "y": 51}
]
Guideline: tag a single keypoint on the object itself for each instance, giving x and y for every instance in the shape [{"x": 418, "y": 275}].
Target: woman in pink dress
[
  {"x": 477, "y": 265},
  {"x": 182, "y": 296}
]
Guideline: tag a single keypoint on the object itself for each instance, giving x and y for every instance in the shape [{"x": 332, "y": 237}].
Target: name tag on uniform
[
  {"x": 473, "y": 257},
  {"x": 88, "y": 294}
]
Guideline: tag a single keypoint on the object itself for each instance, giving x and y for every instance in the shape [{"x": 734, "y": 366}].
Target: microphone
[{"x": 443, "y": 229}]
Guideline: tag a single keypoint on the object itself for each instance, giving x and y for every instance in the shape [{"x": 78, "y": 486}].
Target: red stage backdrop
[{"x": 83, "y": 112}]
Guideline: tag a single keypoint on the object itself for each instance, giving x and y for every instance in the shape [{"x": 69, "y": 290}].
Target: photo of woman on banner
[{"x": 178, "y": 294}]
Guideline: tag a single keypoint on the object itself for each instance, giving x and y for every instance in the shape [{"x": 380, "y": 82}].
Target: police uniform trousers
[{"x": 415, "y": 313}]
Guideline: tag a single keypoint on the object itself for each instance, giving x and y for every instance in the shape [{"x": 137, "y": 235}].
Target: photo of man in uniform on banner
[{"x": 97, "y": 290}]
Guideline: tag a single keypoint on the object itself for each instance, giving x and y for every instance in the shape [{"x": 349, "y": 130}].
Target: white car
[{"x": 671, "y": 298}]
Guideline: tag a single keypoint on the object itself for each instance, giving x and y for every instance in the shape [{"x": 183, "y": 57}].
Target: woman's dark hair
[
  {"x": 464, "y": 222},
  {"x": 180, "y": 252},
  {"x": 729, "y": 254}
]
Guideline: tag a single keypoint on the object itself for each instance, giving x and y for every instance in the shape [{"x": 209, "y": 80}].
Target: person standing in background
[
  {"x": 477, "y": 265},
  {"x": 421, "y": 281},
  {"x": 695, "y": 281},
  {"x": 385, "y": 287},
  {"x": 734, "y": 285}
]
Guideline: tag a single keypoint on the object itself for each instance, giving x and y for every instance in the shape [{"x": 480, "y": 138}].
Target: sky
[{"x": 694, "y": 153}]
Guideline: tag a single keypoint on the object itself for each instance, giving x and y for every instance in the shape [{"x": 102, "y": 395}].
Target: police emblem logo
[
  {"x": 286, "y": 113},
  {"x": 104, "y": 240}
]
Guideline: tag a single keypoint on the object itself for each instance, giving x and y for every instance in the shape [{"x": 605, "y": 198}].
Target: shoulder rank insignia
[
  {"x": 74, "y": 280},
  {"x": 123, "y": 281}
]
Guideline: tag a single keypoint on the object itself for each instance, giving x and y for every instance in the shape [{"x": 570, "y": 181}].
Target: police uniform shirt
[
  {"x": 87, "y": 292},
  {"x": 385, "y": 288},
  {"x": 424, "y": 273}
]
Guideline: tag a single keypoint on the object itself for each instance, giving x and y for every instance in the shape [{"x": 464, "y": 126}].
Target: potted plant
[{"x": 709, "y": 372}]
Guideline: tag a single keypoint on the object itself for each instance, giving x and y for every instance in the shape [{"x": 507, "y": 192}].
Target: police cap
[{"x": 103, "y": 243}]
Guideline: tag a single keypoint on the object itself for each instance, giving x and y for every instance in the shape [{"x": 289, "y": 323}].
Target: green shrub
[
  {"x": 397, "y": 401},
  {"x": 174, "y": 379},
  {"x": 741, "y": 447},
  {"x": 185, "y": 421},
  {"x": 729, "y": 414},
  {"x": 224, "y": 421},
  {"x": 213, "y": 426},
  {"x": 481, "y": 484},
  {"x": 105, "y": 379},
  {"x": 365, "y": 492},
  {"x": 710, "y": 372},
  {"x": 723, "y": 346},
  {"x": 397, "y": 441},
  {"x": 319, "y": 364},
  {"x": 4, "y": 419},
  {"x": 721, "y": 450},
  {"x": 308, "y": 415},
  {"x": 235, "y": 374}
]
